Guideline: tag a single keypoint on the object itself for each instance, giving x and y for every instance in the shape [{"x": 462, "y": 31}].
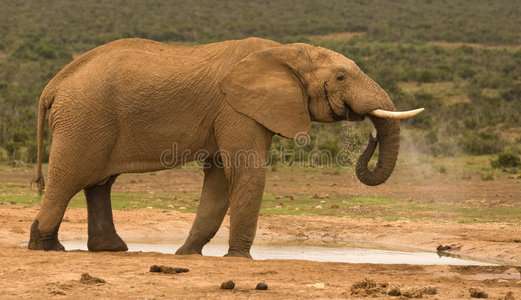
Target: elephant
[{"x": 116, "y": 108}]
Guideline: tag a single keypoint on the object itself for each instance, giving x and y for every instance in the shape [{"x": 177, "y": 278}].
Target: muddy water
[{"x": 356, "y": 252}]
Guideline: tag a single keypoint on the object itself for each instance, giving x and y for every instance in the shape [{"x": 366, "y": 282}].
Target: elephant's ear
[{"x": 264, "y": 87}]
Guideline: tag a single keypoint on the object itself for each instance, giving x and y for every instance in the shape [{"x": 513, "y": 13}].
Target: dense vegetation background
[{"x": 461, "y": 59}]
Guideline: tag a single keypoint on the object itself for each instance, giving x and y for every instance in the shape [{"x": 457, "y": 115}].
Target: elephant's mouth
[{"x": 349, "y": 114}]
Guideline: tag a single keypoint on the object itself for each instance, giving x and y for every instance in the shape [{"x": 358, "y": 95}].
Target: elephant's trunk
[{"x": 388, "y": 136}]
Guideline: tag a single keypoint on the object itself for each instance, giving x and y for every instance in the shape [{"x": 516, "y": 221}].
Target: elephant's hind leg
[
  {"x": 210, "y": 213},
  {"x": 102, "y": 234},
  {"x": 44, "y": 231},
  {"x": 47, "y": 241}
]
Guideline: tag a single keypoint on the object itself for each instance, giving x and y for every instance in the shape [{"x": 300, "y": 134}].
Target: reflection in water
[{"x": 294, "y": 250}]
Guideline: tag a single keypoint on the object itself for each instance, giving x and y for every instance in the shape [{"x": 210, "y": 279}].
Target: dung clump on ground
[
  {"x": 228, "y": 285},
  {"x": 442, "y": 248},
  {"x": 394, "y": 290},
  {"x": 167, "y": 269},
  {"x": 413, "y": 292},
  {"x": 429, "y": 290},
  {"x": 87, "y": 279},
  {"x": 368, "y": 287},
  {"x": 476, "y": 292},
  {"x": 261, "y": 286}
]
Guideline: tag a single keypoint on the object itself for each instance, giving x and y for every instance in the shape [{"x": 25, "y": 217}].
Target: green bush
[
  {"x": 467, "y": 72},
  {"x": 426, "y": 76},
  {"x": 506, "y": 160}
]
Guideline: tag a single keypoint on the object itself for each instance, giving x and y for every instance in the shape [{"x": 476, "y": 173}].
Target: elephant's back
[
  {"x": 134, "y": 73},
  {"x": 130, "y": 52}
]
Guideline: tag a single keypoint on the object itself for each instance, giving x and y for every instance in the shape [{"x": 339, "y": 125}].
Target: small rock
[
  {"x": 323, "y": 201},
  {"x": 261, "y": 286},
  {"x": 334, "y": 206},
  {"x": 413, "y": 292},
  {"x": 228, "y": 285},
  {"x": 476, "y": 292},
  {"x": 333, "y": 184},
  {"x": 87, "y": 279},
  {"x": 319, "y": 207},
  {"x": 182, "y": 208}
]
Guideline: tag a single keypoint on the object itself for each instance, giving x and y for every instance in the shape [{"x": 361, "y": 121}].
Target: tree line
[{"x": 472, "y": 92}]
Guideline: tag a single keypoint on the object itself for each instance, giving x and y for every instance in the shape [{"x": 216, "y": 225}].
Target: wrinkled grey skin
[{"x": 118, "y": 107}]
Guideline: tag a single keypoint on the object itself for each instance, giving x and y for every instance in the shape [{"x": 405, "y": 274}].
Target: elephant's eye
[{"x": 340, "y": 77}]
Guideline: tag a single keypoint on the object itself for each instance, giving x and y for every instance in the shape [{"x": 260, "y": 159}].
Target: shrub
[
  {"x": 426, "y": 76},
  {"x": 487, "y": 177},
  {"x": 506, "y": 160},
  {"x": 467, "y": 72}
]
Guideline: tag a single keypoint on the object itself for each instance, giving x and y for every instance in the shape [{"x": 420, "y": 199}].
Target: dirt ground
[{"x": 36, "y": 274}]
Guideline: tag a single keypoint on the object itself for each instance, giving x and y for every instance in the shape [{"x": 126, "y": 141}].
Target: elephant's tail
[{"x": 44, "y": 103}]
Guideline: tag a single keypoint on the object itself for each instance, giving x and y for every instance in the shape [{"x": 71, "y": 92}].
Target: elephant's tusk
[{"x": 395, "y": 114}]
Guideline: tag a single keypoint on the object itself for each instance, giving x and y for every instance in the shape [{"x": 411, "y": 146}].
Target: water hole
[{"x": 353, "y": 252}]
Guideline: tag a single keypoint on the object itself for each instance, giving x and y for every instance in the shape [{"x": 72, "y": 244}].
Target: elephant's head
[{"x": 285, "y": 88}]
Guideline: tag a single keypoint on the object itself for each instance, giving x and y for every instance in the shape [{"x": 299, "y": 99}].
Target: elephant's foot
[
  {"x": 237, "y": 253},
  {"x": 106, "y": 242},
  {"x": 187, "y": 250},
  {"x": 41, "y": 241}
]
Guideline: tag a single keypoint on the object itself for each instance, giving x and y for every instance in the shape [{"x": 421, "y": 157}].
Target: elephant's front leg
[
  {"x": 247, "y": 186},
  {"x": 244, "y": 145},
  {"x": 102, "y": 234},
  {"x": 210, "y": 213}
]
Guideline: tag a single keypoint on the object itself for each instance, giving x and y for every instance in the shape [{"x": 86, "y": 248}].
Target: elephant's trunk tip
[
  {"x": 388, "y": 139},
  {"x": 363, "y": 173}
]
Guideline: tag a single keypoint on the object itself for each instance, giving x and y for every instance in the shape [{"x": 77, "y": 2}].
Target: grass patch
[
  {"x": 303, "y": 200},
  {"x": 184, "y": 202}
]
